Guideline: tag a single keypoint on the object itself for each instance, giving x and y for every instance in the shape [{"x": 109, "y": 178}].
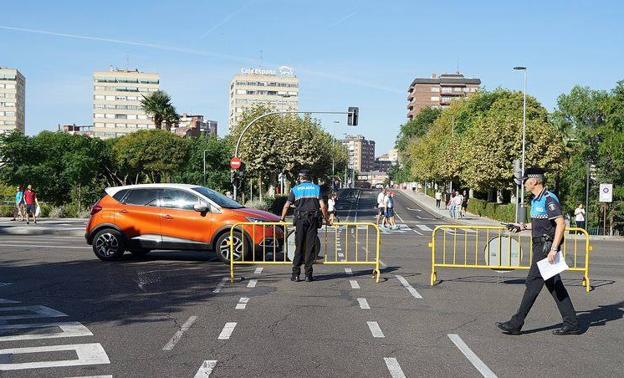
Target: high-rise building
[
  {"x": 12, "y": 100},
  {"x": 277, "y": 89},
  {"x": 117, "y": 96},
  {"x": 438, "y": 91},
  {"x": 361, "y": 152},
  {"x": 74, "y": 129},
  {"x": 384, "y": 162},
  {"x": 195, "y": 126}
]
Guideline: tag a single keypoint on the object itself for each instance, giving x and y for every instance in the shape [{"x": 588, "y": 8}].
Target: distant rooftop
[{"x": 447, "y": 78}]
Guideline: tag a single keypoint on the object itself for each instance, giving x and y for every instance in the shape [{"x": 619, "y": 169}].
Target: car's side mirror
[{"x": 201, "y": 207}]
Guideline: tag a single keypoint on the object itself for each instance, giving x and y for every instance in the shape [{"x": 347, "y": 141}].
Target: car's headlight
[{"x": 253, "y": 219}]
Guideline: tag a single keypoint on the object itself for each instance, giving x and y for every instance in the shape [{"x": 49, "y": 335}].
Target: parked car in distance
[{"x": 141, "y": 218}]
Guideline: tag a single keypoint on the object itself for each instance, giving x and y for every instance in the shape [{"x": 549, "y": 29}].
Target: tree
[
  {"x": 218, "y": 153},
  {"x": 158, "y": 106},
  {"x": 416, "y": 127}
]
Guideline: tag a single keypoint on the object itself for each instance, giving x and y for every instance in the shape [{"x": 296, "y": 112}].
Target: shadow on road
[
  {"x": 592, "y": 318},
  {"x": 520, "y": 281}
]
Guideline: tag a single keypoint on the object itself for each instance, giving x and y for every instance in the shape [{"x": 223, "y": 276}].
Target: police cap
[
  {"x": 304, "y": 173},
  {"x": 533, "y": 172}
]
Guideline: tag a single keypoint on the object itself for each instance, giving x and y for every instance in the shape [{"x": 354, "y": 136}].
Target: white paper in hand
[{"x": 548, "y": 270}]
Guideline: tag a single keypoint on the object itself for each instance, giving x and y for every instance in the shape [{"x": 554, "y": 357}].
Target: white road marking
[
  {"x": 471, "y": 356},
  {"x": 227, "y": 330},
  {"x": 398, "y": 216},
  {"x": 363, "y": 303},
  {"x": 383, "y": 264},
  {"x": 418, "y": 216},
  {"x": 43, "y": 246},
  {"x": 206, "y": 369},
  {"x": 349, "y": 271},
  {"x": 242, "y": 303},
  {"x": 258, "y": 270},
  {"x": 424, "y": 227},
  {"x": 94, "y": 376},
  {"x": 375, "y": 330},
  {"x": 354, "y": 284},
  {"x": 394, "y": 367},
  {"x": 409, "y": 287},
  {"x": 252, "y": 283},
  {"x": 178, "y": 335},
  {"x": 36, "y": 312},
  {"x": 418, "y": 232},
  {"x": 8, "y": 301},
  {"x": 68, "y": 329},
  {"x": 88, "y": 354},
  {"x": 413, "y": 209},
  {"x": 220, "y": 285}
]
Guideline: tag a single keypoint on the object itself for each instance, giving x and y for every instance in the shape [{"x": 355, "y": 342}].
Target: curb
[{"x": 40, "y": 231}]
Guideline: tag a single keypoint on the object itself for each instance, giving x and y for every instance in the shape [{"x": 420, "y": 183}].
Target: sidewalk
[
  {"x": 428, "y": 204},
  {"x": 44, "y": 226}
]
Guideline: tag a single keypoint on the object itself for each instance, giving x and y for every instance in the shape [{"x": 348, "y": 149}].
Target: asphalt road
[{"x": 175, "y": 314}]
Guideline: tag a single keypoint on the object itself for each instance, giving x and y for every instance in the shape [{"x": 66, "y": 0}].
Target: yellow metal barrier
[
  {"x": 266, "y": 243},
  {"x": 493, "y": 247}
]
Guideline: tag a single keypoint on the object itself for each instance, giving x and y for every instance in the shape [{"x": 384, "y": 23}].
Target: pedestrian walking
[
  {"x": 381, "y": 196},
  {"x": 547, "y": 228},
  {"x": 30, "y": 198},
  {"x": 438, "y": 198},
  {"x": 464, "y": 205},
  {"x": 331, "y": 208},
  {"x": 579, "y": 216},
  {"x": 389, "y": 210},
  {"x": 452, "y": 206},
  {"x": 19, "y": 204},
  {"x": 310, "y": 210}
]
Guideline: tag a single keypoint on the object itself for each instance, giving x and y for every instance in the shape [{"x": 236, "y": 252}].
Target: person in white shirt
[
  {"x": 381, "y": 205},
  {"x": 389, "y": 210},
  {"x": 331, "y": 208},
  {"x": 579, "y": 216},
  {"x": 438, "y": 198},
  {"x": 459, "y": 200}
]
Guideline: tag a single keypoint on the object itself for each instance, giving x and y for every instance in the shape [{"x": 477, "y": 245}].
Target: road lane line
[
  {"x": 348, "y": 271},
  {"x": 375, "y": 329},
  {"x": 398, "y": 216},
  {"x": 424, "y": 227},
  {"x": 242, "y": 303},
  {"x": 394, "y": 367},
  {"x": 93, "y": 376},
  {"x": 418, "y": 232},
  {"x": 178, "y": 335},
  {"x": 252, "y": 283},
  {"x": 258, "y": 270},
  {"x": 363, "y": 303},
  {"x": 42, "y": 246},
  {"x": 471, "y": 356},
  {"x": 354, "y": 284},
  {"x": 220, "y": 285},
  {"x": 383, "y": 264},
  {"x": 206, "y": 368},
  {"x": 228, "y": 328},
  {"x": 409, "y": 287}
]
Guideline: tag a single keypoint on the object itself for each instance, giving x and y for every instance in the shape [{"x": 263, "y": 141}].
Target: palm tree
[
  {"x": 170, "y": 117},
  {"x": 158, "y": 106}
]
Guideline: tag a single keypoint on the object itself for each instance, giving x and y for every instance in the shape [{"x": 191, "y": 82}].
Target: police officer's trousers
[
  {"x": 535, "y": 283},
  {"x": 305, "y": 240}
]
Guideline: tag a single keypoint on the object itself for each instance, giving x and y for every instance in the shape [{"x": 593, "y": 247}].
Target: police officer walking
[
  {"x": 547, "y": 227},
  {"x": 310, "y": 210}
]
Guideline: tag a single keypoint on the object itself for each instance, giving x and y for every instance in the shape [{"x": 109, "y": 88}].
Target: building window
[
  {"x": 121, "y": 116},
  {"x": 435, "y": 98},
  {"x": 110, "y": 98},
  {"x": 99, "y": 115},
  {"x": 98, "y": 97},
  {"x": 435, "y": 89}
]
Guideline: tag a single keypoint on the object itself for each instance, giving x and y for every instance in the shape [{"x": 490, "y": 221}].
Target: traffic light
[
  {"x": 517, "y": 169},
  {"x": 352, "y": 115}
]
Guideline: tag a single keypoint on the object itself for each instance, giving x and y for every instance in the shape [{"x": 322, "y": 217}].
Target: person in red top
[{"x": 30, "y": 197}]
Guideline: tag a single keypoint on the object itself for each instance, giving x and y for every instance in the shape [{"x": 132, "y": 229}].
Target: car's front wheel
[
  {"x": 108, "y": 244},
  {"x": 223, "y": 247}
]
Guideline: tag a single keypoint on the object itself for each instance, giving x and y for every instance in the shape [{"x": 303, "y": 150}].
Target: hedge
[{"x": 501, "y": 212}]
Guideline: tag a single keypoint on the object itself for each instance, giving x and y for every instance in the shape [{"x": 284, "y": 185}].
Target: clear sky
[{"x": 360, "y": 53}]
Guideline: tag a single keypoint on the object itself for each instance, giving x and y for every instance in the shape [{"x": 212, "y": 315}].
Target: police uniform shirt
[
  {"x": 305, "y": 196},
  {"x": 545, "y": 208}
]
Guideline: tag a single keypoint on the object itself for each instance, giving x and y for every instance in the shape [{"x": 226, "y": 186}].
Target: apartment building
[
  {"x": 438, "y": 91},
  {"x": 117, "y": 96},
  {"x": 361, "y": 153},
  {"x": 12, "y": 100},
  {"x": 195, "y": 125},
  {"x": 252, "y": 86}
]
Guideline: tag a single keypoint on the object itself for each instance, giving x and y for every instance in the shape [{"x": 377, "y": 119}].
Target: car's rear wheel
[
  {"x": 223, "y": 247},
  {"x": 108, "y": 244},
  {"x": 139, "y": 252}
]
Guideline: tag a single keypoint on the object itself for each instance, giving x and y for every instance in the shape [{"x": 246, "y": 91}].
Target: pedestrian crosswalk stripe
[{"x": 424, "y": 227}]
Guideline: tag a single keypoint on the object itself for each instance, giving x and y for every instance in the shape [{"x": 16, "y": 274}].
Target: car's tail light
[{"x": 95, "y": 209}]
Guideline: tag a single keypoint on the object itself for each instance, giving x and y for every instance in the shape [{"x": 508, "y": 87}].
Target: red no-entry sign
[{"x": 235, "y": 163}]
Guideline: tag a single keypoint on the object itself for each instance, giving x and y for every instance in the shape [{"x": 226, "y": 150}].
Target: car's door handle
[
  {"x": 167, "y": 216},
  {"x": 123, "y": 211}
]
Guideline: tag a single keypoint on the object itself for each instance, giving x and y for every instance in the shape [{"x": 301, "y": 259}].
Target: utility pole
[{"x": 522, "y": 214}]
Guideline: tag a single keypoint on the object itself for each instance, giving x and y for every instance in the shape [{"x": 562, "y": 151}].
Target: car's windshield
[{"x": 218, "y": 198}]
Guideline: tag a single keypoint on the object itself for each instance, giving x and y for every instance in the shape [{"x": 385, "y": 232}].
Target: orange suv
[{"x": 140, "y": 218}]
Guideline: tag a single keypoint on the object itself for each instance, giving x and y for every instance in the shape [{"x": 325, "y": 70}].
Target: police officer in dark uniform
[
  {"x": 547, "y": 228},
  {"x": 310, "y": 210}
]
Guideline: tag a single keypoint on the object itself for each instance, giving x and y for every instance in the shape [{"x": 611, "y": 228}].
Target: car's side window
[
  {"x": 120, "y": 195},
  {"x": 179, "y": 199},
  {"x": 143, "y": 197}
]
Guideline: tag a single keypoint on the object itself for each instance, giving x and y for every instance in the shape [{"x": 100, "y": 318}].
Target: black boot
[
  {"x": 567, "y": 330},
  {"x": 309, "y": 278},
  {"x": 294, "y": 278},
  {"x": 508, "y": 328}
]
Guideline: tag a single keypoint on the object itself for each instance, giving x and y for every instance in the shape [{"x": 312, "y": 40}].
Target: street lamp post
[
  {"x": 522, "y": 212},
  {"x": 334, "y": 152},
  {"x": 204, "y": 161}
]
